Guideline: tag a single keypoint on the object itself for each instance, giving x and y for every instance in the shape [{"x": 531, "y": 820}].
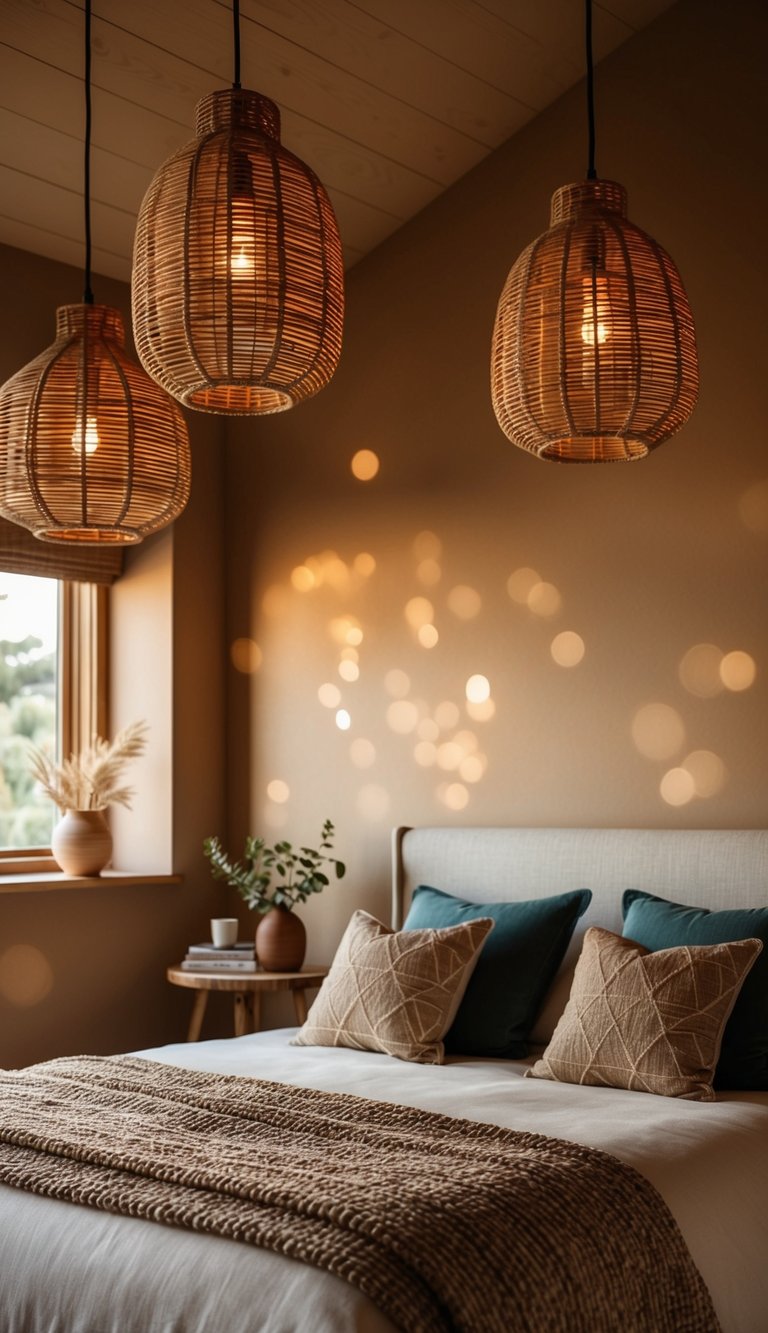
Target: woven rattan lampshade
[
  {"x": 593, "y": 356},
  {"x": 238, "y": 280},
  {"x": 91, "y": 449}
]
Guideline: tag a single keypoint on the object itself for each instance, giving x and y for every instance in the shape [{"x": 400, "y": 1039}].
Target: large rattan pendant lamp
[
  {"x": 593, "y": 357},
  {"x": 91, "y": 449},
  {"x": 238, "y": 278}
]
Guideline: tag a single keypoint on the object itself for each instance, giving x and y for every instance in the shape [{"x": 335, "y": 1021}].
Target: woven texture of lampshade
[
  {"x": 91, "y": 449},
  {"x": 593, "y": 356},
  {"x": 238, "y": 277}
]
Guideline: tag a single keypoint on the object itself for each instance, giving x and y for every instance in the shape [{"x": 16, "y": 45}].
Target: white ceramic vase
[{"x": 81, "y": 842}]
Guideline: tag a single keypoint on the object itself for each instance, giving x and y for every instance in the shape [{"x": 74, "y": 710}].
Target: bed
[{"x": 65, "y": 1268}]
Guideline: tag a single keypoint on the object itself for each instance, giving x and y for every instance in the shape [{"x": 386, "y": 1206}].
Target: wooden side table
[{"x": 247, "y": 989}]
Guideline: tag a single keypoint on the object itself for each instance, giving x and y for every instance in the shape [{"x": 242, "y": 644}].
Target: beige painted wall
[
  {"x": 648, "y": 561},
  {"x": 101, "y": 954}
]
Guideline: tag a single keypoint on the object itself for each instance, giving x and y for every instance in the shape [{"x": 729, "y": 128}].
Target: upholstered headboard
[{"x": 704, "y": 868}]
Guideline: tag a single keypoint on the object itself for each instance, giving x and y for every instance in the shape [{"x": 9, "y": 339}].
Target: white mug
[{"x": 224, "y": 931}]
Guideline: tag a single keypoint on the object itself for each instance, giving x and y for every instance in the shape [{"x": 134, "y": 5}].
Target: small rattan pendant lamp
[
  {"x": 91, "y": 449},
  {"x": 238, "y": 278},
  {"x": 593, "y": 358}
]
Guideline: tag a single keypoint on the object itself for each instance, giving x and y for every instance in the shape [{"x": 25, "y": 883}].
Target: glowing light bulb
[
  {"x": 241, "y": 262},
  {"x": 91, "y": 436},
  {"x": 595, "y": 326},
  {"x": 242, "y": 252}
]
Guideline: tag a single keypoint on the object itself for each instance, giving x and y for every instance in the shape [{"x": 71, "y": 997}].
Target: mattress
[{"x": 68, "y": 1269}]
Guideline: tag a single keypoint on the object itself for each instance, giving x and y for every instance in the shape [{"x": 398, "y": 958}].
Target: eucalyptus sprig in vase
[
  {"x": 272, "y": 881},
  {"x": 83, "y": 787}
]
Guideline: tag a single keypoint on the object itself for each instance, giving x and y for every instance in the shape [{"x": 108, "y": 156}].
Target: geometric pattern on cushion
[
  {"x": 649, "y": 1022},
  {"x": 658, "y": 923},
  {"x": 394, "y": 991}
]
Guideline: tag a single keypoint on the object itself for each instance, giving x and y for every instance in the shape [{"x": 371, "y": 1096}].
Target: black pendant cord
[
  {"x": 591, "y": 173},
  {"x": 236, "y": 21},
  {"x": 87, "y": 291}
]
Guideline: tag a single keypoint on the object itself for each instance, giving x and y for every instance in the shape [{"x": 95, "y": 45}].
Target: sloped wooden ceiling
[{"x": 390, "y": 101}]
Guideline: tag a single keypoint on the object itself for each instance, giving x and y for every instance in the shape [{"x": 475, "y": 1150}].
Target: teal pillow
[
  {"x": 516, "y": 965},
  {"x": 659, "y": 924}
]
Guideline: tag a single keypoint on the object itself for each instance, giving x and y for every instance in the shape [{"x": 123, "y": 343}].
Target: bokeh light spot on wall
[
  {"x": 446, "y": 715},
  {"x": 348, "y": 670},
  {"x": 454, "y": 795},
  {"x": 753, "y": 507},
  {"x": 336, "y": 572},
  {"x": 303, "y": 578},
  {"x": 658, "y": 731},
  {"x": 464, "y": 602},
  {"x": 428, "y": 730},
  {"x": 467, "y": 740},
  {"x": 478, "y": 689},
  {"x": 707, "y": 770},
  {"x": 362, "y": 752},
  {"x": 521, "y": 583},
  {"x": 482, "y": 711},
  {"x": 429, "y": 572},
  {"x": 346, "y": 630},
  {"x": 343, "y": 720},
  {"x": 348, "y": 654},
  {"x": 472, "y": 767},
  {"x": 419, "y": 611},
  {"x": 278, "y": 791},
  {"x": 544, "y": 599},
  {"x": 365, "y": 464},
  {"x": 699, "y": 670},
  {"x": 246, "y": 656},
  {"x": 449, "y": 755},
  {"x": 26, "y": 976},
  {"x": 397, "y": 683},
  {"x": 425, "y": 753},
  {"x": 402, "y": 716},
  {"x": 427, "y": 546},
  {"x": 329, "y": 695},
  {"x": 427, "y": 636},
  {"x": 738, "y": 670},
  {"x": 567, "y": 648},
  {"x": 677, "y": 787},
  {"x": 373, "y": 802},
  {"x": 364, "y": 564}
]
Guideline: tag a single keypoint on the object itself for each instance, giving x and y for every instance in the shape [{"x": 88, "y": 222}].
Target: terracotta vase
[
  {"x": 81, "y": 842},
  {"x": 281, "y": 941}
]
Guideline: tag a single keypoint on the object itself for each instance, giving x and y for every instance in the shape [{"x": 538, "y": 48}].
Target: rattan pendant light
[
  {"x": 593, "y": 358},
  {"x": 91, "y": 449},
  {"x": 238, "y": 279}
]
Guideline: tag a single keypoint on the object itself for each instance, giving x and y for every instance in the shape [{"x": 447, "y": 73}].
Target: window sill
[{"x": 109, "y": 879}]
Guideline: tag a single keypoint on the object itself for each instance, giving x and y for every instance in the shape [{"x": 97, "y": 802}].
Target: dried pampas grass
[{"x": 90, "y": 780}]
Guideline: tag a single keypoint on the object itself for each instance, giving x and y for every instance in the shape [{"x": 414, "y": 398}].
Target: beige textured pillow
[
  {"x": 650, "y": 1022},
  {"x": 394, "y": 991}
]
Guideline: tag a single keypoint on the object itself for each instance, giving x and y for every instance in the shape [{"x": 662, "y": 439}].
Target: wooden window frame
[{"x": 83, "y": 693}]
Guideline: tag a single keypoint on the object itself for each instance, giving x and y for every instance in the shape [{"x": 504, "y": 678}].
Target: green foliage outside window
[{"x": 27, "y": 713}]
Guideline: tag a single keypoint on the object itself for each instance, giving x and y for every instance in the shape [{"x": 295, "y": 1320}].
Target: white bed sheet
[{"x": 108, "y": 1274}]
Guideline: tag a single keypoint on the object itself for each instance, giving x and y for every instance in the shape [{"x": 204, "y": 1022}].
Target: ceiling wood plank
[
  {"x": 481, "y": 43},
  {"x": 24, "y": 236},
  {"x": 338, "y": 161},
  {"x": 390, "y": 101},
  {"x": 349, "y": 39},
  {"x": 195, "y": 58}
]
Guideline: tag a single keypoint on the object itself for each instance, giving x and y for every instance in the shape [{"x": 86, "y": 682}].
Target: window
[
  {"x": 29, "y": 704},
  {"x": 53, "y": 691}
]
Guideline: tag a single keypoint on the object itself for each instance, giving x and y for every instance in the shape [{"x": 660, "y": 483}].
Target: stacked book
[{"x": 232, "y": 960}]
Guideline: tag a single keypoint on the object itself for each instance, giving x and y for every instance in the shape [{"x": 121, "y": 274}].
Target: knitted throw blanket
[{"x": 445, "y": 1224}]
